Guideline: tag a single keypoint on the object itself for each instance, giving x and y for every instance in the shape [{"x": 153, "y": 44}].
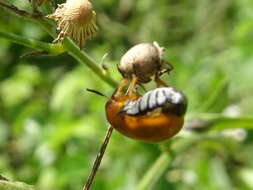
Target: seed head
[{"x": 75, "y": 19}]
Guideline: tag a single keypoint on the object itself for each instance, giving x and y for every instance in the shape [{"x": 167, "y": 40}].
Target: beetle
[
  {"x": 144, "y": 61},
  {"x": 154, "y": 116}
]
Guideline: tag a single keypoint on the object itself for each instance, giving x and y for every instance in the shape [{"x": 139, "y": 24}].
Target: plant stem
[
  {"x": 98, "y": 159},
  {"x": 155, "y": 172},
  {"x": 79, "y": 55},
  {"x": 52, "y": 49},
  {"x": 75, "y": 52},
  {"x": 162, "y": 162},
  {"x": 8, "y": 185},
  {"x": 72, "y": 49},
  {"x": 83, "y": 58}
]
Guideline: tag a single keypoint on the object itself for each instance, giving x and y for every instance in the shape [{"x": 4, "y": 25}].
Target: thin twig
[
  {"x": 19, "y": 12},
  {"x": 98, "y": 159}
]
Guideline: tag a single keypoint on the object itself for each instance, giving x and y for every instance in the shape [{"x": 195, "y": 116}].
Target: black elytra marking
[{"x": 168, "y": 99}]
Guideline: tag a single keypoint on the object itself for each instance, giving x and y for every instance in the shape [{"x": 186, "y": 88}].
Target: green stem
[
  {"x": 7, "y": 185},
  {"x": 52, "y": 49},
  {"x": 83, "y": 58},
  {"x": 155, "y": 172},
  {"x": 165, "y": 159},
  {"x": 72, "y": 49}
]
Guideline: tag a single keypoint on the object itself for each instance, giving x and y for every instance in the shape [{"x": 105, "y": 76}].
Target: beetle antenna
[{"x": 97, "y": 92}]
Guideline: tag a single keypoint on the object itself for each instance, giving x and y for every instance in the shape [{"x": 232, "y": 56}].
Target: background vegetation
[{"x": 51, "y": 128}]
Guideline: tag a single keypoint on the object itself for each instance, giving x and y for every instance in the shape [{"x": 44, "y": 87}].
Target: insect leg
[
  {"x": 122, "y": 84},
  {"x": 159, "y": 82},
  {"x": 132, "y": 85}
]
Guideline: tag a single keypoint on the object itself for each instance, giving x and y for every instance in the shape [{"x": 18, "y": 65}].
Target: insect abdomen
[{"x": 168, "y": 99}]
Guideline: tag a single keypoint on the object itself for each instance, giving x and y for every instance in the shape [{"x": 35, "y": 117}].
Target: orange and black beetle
[{"x": 153, "y": 117}]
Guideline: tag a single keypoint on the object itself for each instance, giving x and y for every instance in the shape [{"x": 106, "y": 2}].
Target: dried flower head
[{"x": 75, "y": 19}]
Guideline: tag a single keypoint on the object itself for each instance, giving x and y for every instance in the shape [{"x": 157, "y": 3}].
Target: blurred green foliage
[{"x": 51, "y": 128}]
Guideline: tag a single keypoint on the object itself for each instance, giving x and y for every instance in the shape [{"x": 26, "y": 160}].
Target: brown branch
[
  {"x": 20, "y": 12},
  {"x": 98, "y": 159}
]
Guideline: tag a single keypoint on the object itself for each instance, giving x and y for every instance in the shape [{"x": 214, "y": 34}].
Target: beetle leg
[
  {"x": 132, "y": 85},
  {"x": 159, "y": 82},
  {"x": 122, "y": 84}
]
